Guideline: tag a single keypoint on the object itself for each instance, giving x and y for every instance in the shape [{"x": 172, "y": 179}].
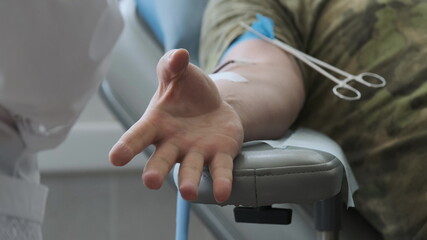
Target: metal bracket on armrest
[
  {"x": 327, "y": 217},
  {"x": 265, "y": 215}
]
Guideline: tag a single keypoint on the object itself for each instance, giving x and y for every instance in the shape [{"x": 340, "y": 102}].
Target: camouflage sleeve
[
  {"x": 221, "y": 26},
  {"x": 384, "y": 135}
]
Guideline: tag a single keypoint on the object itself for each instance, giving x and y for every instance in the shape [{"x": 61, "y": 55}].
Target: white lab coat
[{"x": 53, "y": 56}]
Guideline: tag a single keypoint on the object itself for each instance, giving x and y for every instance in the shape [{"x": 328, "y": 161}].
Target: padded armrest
[{"x": 264, "y": 176}]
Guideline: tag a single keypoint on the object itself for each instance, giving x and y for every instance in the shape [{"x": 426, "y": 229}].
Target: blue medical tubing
[{"x": 182, "y": 218}]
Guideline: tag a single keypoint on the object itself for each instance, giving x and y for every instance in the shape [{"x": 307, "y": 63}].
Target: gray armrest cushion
[{"x": 264, "y": 176}]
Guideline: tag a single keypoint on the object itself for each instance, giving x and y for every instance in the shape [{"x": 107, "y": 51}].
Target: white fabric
[
  {"x": 12, "y": 228},
  {"x": 53, "y": 56},
  {"x": 22, "y": 199},
  {"x": 21, "y": 195},
  {"x": 15, "y": 159}
]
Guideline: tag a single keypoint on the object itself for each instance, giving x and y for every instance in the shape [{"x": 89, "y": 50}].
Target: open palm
[{"x": 188, "y": 122}]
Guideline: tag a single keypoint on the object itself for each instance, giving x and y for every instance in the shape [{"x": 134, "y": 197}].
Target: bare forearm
[{"x": 274, "y": 94}]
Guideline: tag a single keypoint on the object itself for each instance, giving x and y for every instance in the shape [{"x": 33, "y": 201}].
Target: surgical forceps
[{"x": 317, "y": 65}]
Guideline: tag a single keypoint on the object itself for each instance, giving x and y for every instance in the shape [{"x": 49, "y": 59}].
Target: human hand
[{"x": 188, "y": 122}]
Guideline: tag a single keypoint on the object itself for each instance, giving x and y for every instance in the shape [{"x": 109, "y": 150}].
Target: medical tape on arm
[{"x": 228, "y": 76}]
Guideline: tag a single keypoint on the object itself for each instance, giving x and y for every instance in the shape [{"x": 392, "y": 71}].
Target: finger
[
  {"x": 173, "y": 63},
  {"x": 132, "y": 142},
  {"x": 159, "y": 165},
  {"x": 221, "y": 169},
  {"x": 190, "y": 172}
]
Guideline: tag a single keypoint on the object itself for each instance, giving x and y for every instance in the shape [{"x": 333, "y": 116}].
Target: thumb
[{"x": 173, "y": 64}]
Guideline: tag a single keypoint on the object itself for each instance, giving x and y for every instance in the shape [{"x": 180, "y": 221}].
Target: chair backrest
[{"x": 131, "y": 80}]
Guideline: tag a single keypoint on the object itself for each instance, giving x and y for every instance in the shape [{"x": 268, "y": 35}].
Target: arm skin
[
  {"x": 272, "y": 99},
  {"x": 197, "y": 122}
]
